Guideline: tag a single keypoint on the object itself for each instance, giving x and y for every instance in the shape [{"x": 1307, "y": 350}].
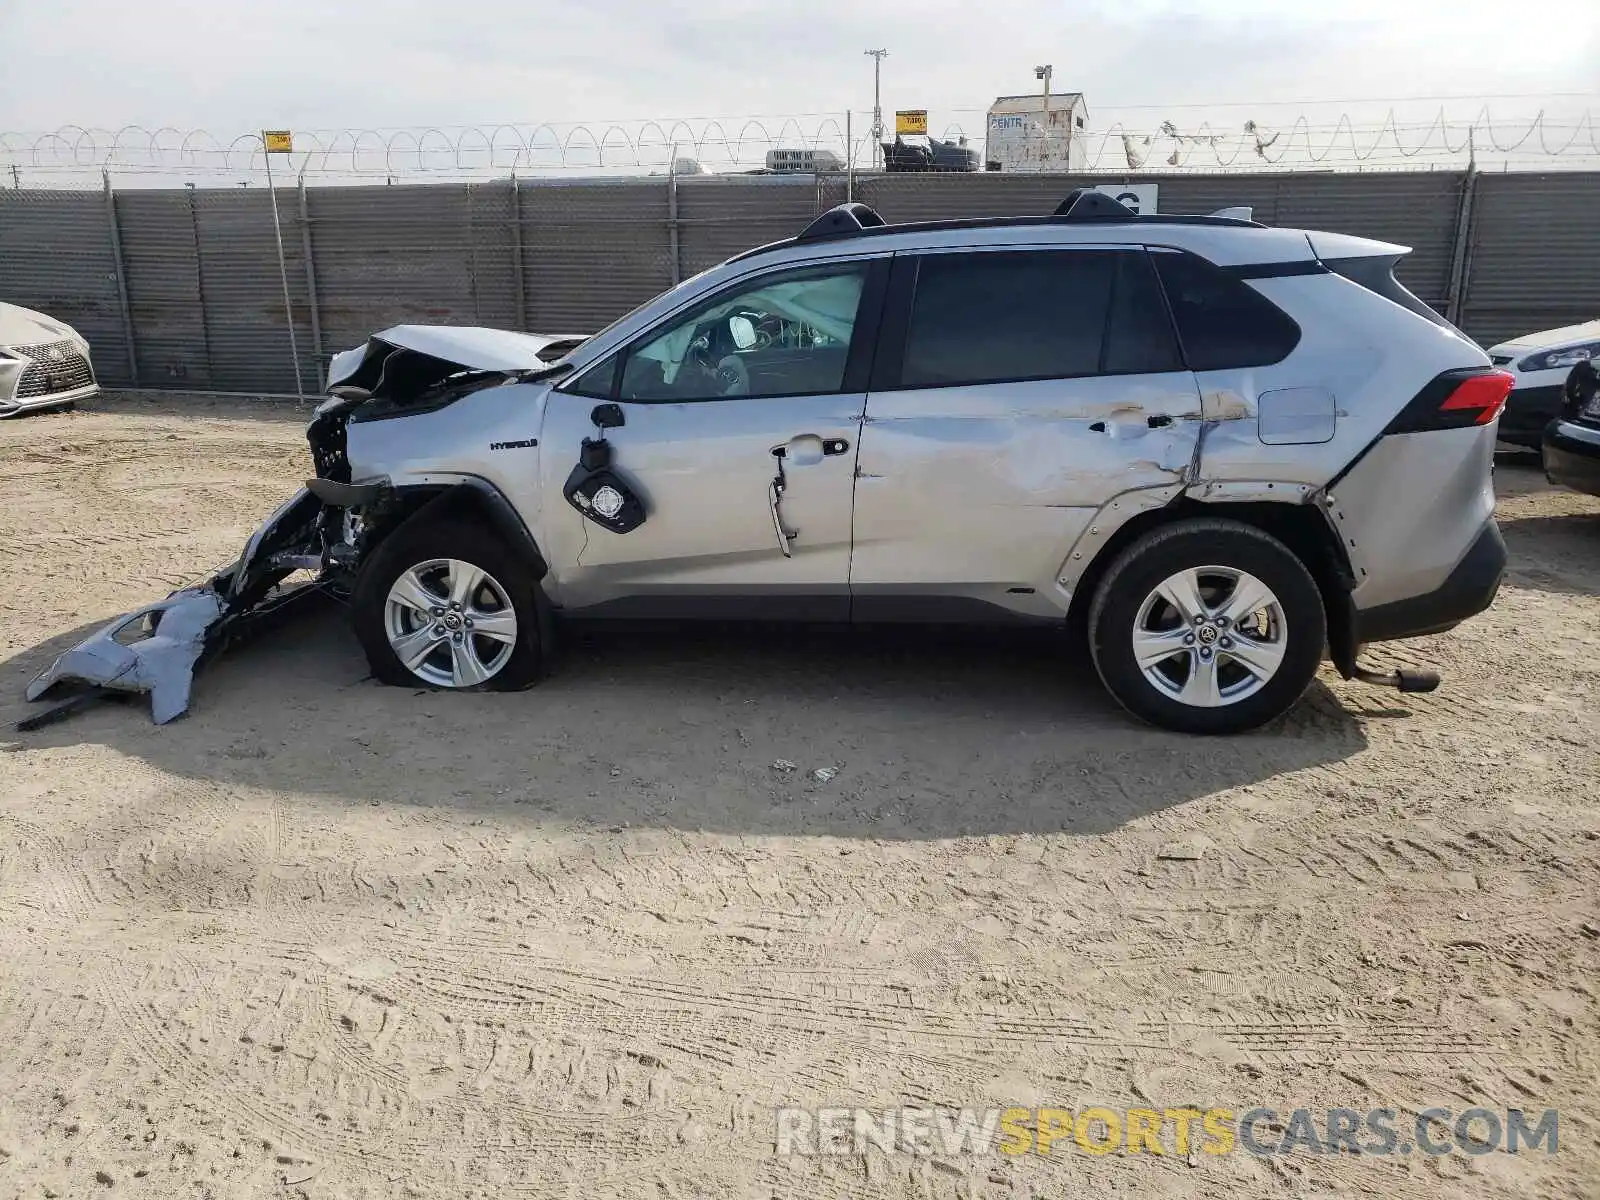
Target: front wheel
[
  {"x": 1207, "y": 626},
  {"x": 447, "y": 605}
]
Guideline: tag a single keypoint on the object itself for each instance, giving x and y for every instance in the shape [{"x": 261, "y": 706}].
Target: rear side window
[
  {"x": 996, "y": 317},
  {"x": 1223, "y": 322},
  {"x": 1139, "y": 337}
]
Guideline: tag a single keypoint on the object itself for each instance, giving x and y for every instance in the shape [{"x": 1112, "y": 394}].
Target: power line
[{"x": 1311, "y": 103}]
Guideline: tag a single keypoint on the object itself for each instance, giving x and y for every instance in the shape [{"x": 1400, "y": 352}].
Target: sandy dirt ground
[{"x": 327, "y": 939}]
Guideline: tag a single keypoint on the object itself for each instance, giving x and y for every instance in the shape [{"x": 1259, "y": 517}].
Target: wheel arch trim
[
  {"x": 1259, "y": 503},
  {"x": 435, "y": 496}
]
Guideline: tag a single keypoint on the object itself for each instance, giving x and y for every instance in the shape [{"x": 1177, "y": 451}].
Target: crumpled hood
[
  {"x": 24, "y": 327},
  {"x": 1552, "y": 339},
  {"x": 471, "y": 347}
]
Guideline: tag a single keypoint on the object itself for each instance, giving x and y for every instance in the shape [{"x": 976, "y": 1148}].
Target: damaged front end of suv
[{"x": 314, "y": 543}]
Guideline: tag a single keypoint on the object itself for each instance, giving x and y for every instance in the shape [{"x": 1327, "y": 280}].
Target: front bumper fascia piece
[{"x": 156, "y": 649}]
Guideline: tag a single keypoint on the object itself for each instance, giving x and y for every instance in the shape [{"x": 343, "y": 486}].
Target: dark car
[
  {"x": 919, "y": 153},
  {"x": 1572, "y": 440}
]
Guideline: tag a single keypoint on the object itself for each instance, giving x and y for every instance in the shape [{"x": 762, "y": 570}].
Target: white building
[{"x": 1036, "y": 132}]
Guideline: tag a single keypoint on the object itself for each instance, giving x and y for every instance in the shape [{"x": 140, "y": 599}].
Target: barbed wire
[{"x": 733, "y": 144}]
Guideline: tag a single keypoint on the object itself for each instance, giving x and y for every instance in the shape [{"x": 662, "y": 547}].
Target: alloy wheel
[
  {"x": 450, "y": 623},
  {"x": 1210, "y": 636}
]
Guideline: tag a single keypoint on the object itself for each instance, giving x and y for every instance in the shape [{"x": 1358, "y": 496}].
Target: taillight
[
  {"x": 1455, "y": 400},
  {"x": 1481, "y": 397}
]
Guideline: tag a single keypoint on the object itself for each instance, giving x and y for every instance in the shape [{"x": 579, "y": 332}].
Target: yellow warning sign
[
  {"x": 278, "y": 141},
  {"x": 911, "y": 120}
]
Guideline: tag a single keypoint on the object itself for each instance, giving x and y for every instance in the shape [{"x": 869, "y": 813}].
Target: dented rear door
[{"x": 1015, "y": 392}]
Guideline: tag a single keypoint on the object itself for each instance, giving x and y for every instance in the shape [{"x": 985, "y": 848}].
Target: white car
[
  {"x": 44, "y": 363},
  {"x": 1540, "y": 363}
]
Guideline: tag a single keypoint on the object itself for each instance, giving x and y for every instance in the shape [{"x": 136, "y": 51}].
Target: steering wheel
[{"x": 734, "y": 376}]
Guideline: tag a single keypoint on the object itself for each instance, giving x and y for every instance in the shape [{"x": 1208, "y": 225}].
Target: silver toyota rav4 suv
[{"x": 1219, "y": 450}]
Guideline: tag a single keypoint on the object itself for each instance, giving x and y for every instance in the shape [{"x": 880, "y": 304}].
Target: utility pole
[
  {"x": 16, "y": 177},
  {"x": 267, "y": 151},
  {"x": 1044, "y": 73},
  {"x": 877, "y": 102}
]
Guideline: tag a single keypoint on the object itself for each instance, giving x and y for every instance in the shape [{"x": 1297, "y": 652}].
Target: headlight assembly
[{"x": 1566, "y": 356}]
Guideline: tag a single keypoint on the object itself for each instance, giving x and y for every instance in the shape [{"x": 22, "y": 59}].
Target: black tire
[
  {"x": 447, "y": 538},
  {"x": 1201, "y": 542}
]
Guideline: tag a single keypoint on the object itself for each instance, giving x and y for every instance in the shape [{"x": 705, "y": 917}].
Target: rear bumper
[
  {"x": 1528, "y": 410},
  {"x": 1572, "y": 456},
  {"x": 1467, "y": 591}
]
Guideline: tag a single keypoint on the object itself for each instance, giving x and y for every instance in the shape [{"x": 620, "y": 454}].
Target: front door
[
  {"x": 1016, "y": 391},
  {"x": 740, "y": 424}
]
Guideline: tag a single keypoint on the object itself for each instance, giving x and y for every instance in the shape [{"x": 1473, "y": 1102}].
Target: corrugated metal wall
[
  {"x": 592, "y": 250},
  {"x": 247, "y": 338},
  {"x": 55, "y": 257},
  {"x": 1534, "y": 258},
  {"x": 205, "y": 301},
  {"x": 161, "y": 257},
  {"x": 719, "y": 217},
  {"x": 391, "y": 256}
]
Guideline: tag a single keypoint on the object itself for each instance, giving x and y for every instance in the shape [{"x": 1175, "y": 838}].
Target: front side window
[
  {"x": 787, "y": 334},
  {"x": 598, "y": 381},
  {"x": 1003, "y": 316}
]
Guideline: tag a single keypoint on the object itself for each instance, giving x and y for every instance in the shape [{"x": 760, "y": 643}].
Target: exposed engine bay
[{"x": 314, "y": 543}]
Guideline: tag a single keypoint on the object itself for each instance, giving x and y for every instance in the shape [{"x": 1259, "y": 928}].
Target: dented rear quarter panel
[
  {"x": 1437, "y": 492},
  {"x": 986, "y": 486},
  {"x": 1349, "y": 346}
]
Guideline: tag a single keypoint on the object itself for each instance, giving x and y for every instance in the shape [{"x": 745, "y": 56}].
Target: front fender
[{"x": 471, "y": 495}]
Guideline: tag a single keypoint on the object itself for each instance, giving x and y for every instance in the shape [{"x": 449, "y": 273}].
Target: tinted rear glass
[
  {"x": 993, "y": 317},
  {"x": 1139, "y": 336},
  {"x": 1222, "y": 321}
]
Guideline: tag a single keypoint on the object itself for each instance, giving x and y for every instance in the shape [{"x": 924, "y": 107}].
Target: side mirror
[
  {"x": 345, "y": 391},
  {"x": 743, "y": 330}
]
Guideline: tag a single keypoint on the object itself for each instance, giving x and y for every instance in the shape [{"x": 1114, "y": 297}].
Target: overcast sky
[{"x": 229, "y": 66}]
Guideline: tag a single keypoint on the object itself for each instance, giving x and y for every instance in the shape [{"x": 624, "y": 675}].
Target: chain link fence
[{"x": 182, "y": 289}]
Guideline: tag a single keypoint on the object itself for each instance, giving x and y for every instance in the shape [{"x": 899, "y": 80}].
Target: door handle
[
  {"x": 804, "y": 449},
  {"x": 775, "y": 490},
  {"x": 774, "y": 498}
]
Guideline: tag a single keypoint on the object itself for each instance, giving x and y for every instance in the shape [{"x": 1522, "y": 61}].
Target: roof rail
[
  {"x": 1086, "y": 204},
  {"x": 842, "y": 219}
]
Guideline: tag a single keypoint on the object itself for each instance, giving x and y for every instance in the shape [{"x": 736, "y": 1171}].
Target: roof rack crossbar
[{"x": 841, "y": 219}]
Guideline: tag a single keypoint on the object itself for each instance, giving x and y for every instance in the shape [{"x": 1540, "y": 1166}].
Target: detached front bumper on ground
[{"x": 156, "y": 649}]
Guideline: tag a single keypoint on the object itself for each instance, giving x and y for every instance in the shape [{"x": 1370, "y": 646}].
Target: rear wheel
[
  {"x": 1207, "y": 626},
  {"x": 447, "y": 605}
]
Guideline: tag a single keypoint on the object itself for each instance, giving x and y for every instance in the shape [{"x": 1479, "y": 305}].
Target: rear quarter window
[{"x": 1222, "y": 322}]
